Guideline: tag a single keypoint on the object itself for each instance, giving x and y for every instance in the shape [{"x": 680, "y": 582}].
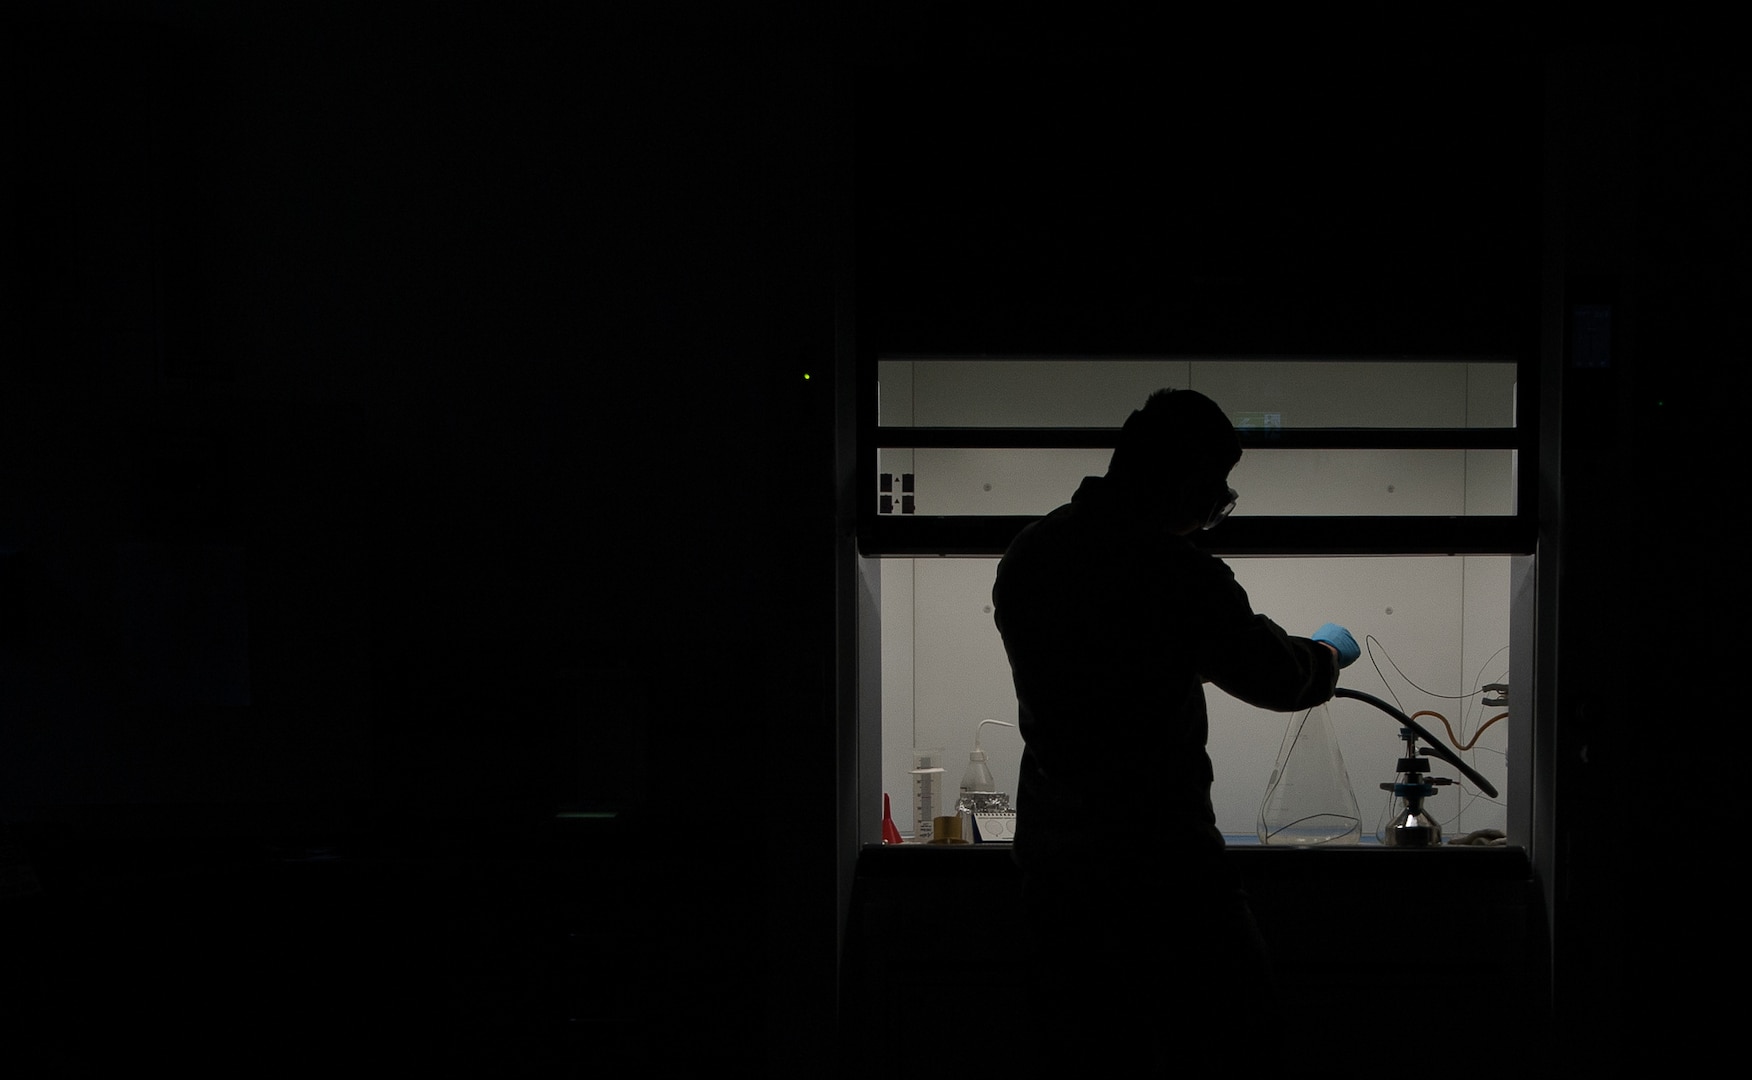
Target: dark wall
[
  {"x": 1653, "y": 149},
  {"x": 1191, "y": 190},
  {"x": 483, "y": 336},
  {"x": 405, "y": 436}
]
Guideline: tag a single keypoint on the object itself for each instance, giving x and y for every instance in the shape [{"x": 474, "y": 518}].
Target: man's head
[{"x": 1176, "y": 452}]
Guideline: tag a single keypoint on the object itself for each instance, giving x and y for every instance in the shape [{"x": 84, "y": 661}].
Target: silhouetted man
[{"x": 1143, "y": 953}]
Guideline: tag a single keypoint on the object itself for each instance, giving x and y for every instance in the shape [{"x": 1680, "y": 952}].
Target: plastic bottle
[
  {"x": 979, "y": 792},
  {"x": 976, "y": 777}
]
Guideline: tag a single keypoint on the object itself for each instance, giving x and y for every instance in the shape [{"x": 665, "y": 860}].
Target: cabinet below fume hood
[{"x": 1455, "y": 934}]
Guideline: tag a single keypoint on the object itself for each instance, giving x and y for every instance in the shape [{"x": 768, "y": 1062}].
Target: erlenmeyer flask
[{"x": 1309, "y": 799}]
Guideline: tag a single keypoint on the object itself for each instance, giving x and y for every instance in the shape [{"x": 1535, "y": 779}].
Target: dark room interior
[{"x": 421, "y": 498}]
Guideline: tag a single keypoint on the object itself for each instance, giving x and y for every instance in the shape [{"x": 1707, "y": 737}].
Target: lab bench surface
[{"x": 1458, "y": 930}]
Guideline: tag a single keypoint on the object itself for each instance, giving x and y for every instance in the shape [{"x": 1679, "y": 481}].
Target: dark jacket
[{"x": 1112, "y": 625}]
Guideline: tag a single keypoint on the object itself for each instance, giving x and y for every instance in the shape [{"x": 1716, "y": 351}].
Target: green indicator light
[{"x": 806, "y": 376}]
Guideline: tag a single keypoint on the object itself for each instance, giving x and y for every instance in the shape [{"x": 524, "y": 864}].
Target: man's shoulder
[{"x": 1072, "y": 536}]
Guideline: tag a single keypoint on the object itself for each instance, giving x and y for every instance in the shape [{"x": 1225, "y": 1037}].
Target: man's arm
[{"x": 1268, "y": 668}]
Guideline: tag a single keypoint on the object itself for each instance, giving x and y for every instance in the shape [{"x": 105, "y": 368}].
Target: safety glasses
[{"x": 1222, "y": 509}]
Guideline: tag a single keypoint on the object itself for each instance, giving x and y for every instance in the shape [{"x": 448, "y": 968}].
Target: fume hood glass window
[
  {"x": 1362, "y": 397},
  {"x": 1267, "y": 393},
  {"x": 1289, "y": 483},
  {"x": 1435, "y": 637}
]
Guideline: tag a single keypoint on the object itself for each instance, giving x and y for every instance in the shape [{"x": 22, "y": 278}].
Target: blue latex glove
[{"x": 1339, "y": 638}]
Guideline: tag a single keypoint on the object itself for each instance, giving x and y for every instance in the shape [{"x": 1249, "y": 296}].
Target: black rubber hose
[{"x": 1435, "y": 746}]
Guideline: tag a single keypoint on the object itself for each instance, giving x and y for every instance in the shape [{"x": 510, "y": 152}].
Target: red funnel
[{"x": 890, "y": 834}]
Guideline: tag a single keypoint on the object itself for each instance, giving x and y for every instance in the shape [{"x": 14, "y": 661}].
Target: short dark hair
[{"x": 1179, "y": 437}]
